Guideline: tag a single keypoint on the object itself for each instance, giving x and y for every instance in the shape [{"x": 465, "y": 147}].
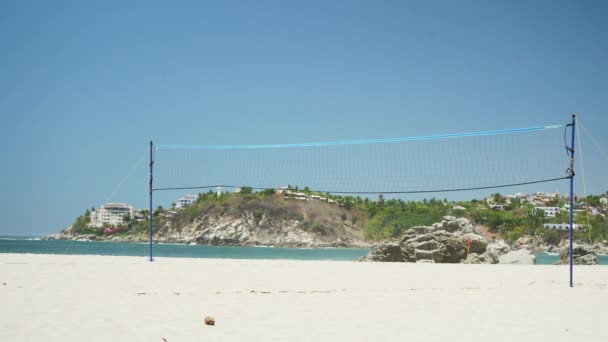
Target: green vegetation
[
  {"x": 519, "y": 219},
  {"x": 387, "y": 219},
  {"x": 81, "y": 226}
]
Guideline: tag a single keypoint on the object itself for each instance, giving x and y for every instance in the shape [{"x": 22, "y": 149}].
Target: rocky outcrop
[
  {"x": 241, "y": 220},
  {"x": 439, "y": 246},
  {"x": 249, "y": 230},
  {"x": 484, "y": 258},
  {"x": 600, "y": 248},
  {"x": 443, "y": 242},
  {"x": 244, "y": 229},
  {"x": 491, "y": 255},
  {"x": 581, "y": 255},
  {"x": 389, "y": 251},
  {"x": 518, "y": 257},
  {"x": 536, "y": 244},
  {"x": 498, "y": 248}
]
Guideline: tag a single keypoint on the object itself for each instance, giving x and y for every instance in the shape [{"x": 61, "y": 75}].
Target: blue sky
[{"x": 85, "y": 86}]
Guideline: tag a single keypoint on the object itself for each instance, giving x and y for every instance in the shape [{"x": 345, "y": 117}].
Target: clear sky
[{"x": 85, "y": 85}]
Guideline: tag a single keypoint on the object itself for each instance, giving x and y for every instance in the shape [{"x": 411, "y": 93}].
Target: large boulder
[
  {"x": 439, "y": 246},
  {"x": 455, "y": 250},
  {"x": 419, "y": 230},
  {"x": 443, "y": 242},
  {"x": 452, "y": 224},
  {"x": 485, "y": 258},
  {"x": 492, "y": 252},
  {"x": 599, "y": 248},
  {"x": 479, "y": 243},
  {"x": 526, "y": 240},
  {"x": 533, "y": 243},
  {"x": 581, "y": 255},
  {"x": 389, "y": 251},
  {"x": 498, "y": 248},
  {"x": 519, "y": 257}
]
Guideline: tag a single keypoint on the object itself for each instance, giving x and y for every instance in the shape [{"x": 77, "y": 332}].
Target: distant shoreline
[
  {"x": 171, "y": 250},
  {"x": 135, "y": 239}
]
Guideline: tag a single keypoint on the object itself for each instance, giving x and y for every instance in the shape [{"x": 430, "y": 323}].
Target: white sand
[{"x": 95, "y": 298}]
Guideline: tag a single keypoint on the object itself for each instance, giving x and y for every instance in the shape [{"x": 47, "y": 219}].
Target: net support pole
[
  {"x": 572, "y": 197},
  {"x": 150, "y": 192}
]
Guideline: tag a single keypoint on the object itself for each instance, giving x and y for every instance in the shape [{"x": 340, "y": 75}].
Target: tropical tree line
[{"x": 381, "y": 218}]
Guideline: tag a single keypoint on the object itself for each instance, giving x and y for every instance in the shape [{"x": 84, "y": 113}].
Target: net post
[
  {"x": 572, "y": 197},
  {"x": 150, "y": 193}
]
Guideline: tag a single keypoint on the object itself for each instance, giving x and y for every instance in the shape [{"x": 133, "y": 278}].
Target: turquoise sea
[
  {"x": 11, "y": 244},
  {"x": 36, "y": 246},
  {"x": 550, "y": 259}
]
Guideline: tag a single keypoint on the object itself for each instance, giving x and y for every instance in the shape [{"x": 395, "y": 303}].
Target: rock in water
[
  {"x": 581, "y": 255},
  {"x": 519, "y": 257}
]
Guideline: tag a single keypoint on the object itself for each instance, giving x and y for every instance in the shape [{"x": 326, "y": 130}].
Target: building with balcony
[
  {"x": 563, "y": 226},
  {"x": 185, "y": 201},
  {"x": 549, "y": 211},
  {"x": 112, "y": 214}
]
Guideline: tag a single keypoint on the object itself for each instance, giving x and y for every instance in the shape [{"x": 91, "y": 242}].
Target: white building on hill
[
  {"x": 549, "y": 211},
  {"x": 111, "y": 214},
  {"x": 185, "y": 201},
  {"x": 563, "y": 226}
]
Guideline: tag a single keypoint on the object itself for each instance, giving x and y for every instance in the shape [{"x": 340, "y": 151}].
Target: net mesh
[{"x": 429, "y": 164}]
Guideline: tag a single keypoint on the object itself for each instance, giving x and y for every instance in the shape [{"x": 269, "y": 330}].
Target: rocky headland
[{"x": 248, "y": 223}]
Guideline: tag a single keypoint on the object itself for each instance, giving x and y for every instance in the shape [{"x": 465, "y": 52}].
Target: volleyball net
[{"x": 402, "y": 165}]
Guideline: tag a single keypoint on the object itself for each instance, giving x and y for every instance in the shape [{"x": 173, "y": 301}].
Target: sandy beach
[{"x": 101, "y": 298}]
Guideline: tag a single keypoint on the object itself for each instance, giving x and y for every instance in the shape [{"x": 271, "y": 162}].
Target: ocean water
[
  {"x": 550, "y": 259},
  {"x": 34, "y": 245}
]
